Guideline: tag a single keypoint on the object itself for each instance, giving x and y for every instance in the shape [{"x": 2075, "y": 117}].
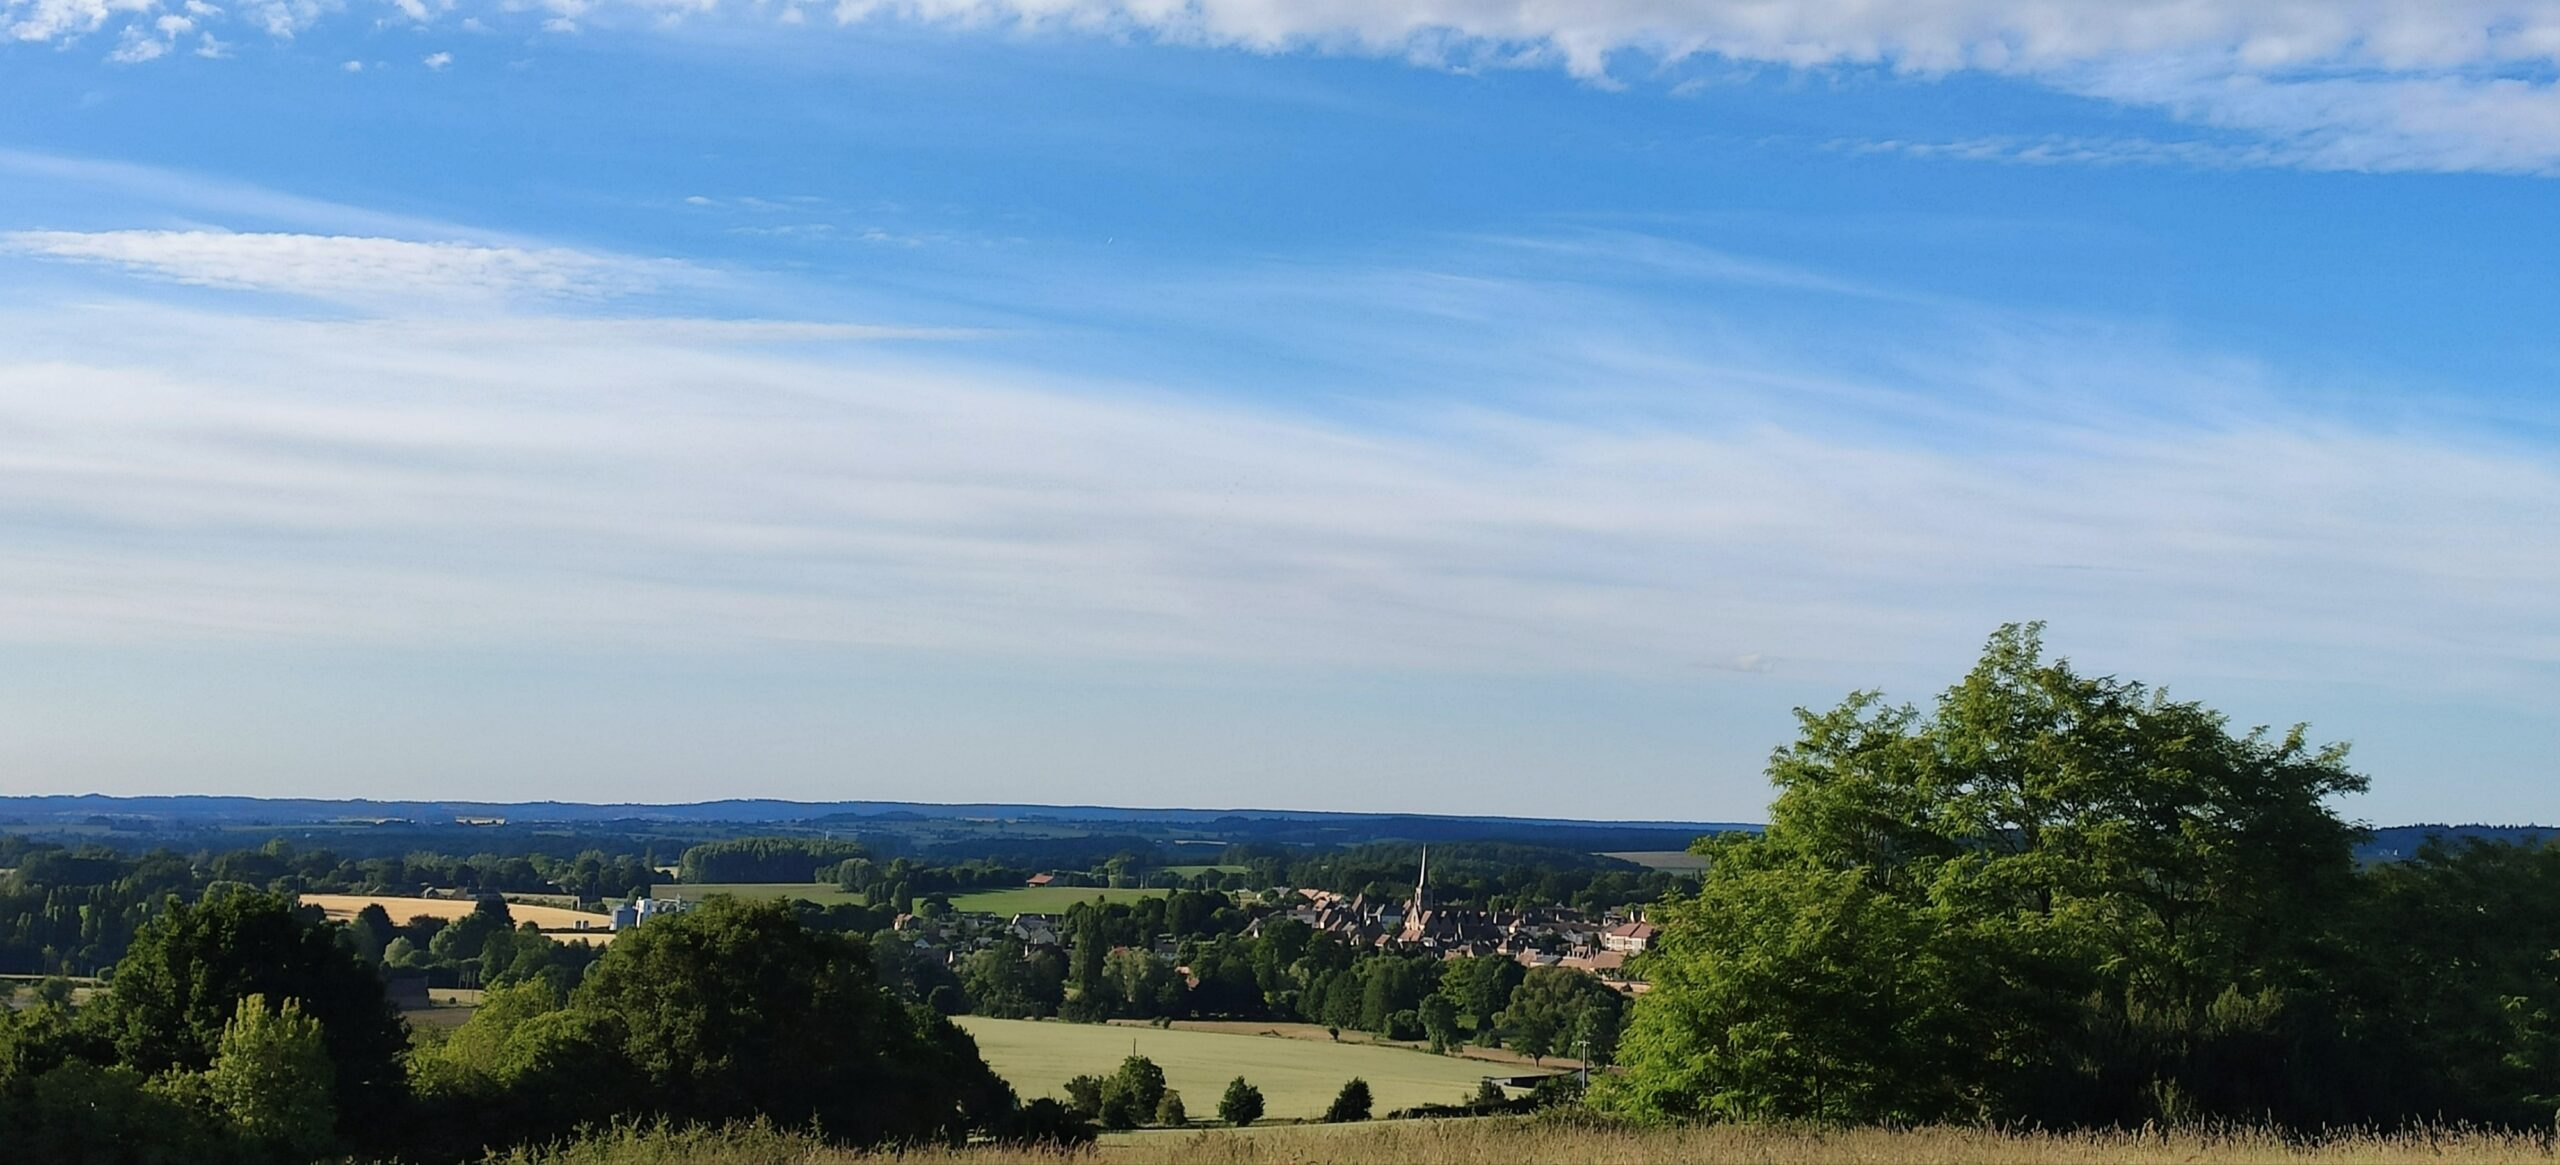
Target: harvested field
[{"x": 554, "y": 921}]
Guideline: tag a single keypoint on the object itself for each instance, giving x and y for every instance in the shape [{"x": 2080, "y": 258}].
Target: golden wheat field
[
  {"x": 1511, "y": 1141},
  {"x": 554, "y": 921}
]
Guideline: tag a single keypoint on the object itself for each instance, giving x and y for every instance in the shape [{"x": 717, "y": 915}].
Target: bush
[
  {"x": 1351, "y": 1104},
  {"x": 1242, "y": 1105},
  {"x": 1120, "y": 1110},
  {"x": 1143, "y": 1081},
  {"x": 1045, "y": 1122},
  {"x": 1169, "y": 1111},
  {"x": 1084, "y": 1094}
]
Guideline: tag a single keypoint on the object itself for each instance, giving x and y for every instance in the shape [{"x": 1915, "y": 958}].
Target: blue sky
[{"x": 1401, "y": 405}]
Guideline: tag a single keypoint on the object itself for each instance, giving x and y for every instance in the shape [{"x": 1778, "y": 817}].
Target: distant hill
[
  {"x": 2395, "y": 842},
  {"x": 922, "y": 827}
]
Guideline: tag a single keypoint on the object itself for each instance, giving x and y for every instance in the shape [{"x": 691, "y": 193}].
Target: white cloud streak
[
  {"x": 235, "y": 478},
  {"x": 2342, "y": 84},
  {"x": 347, "y": 268}
]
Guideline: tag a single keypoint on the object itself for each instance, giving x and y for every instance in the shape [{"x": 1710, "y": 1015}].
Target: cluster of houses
[{"x": 1549, "y": 937}]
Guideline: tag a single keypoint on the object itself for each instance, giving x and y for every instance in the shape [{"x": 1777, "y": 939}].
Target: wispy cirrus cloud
[
  {"x": 348, "y": 268},
  {"x": 233, "y": 478},
  {"x": 2454, "y": 85}
]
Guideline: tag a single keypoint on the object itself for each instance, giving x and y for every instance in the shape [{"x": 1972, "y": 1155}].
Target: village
[{"x": 1600, "y": 944}]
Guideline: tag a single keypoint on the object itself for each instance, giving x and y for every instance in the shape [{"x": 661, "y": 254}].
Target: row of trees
[
  {"x": 74, "y": 910},
  {"x": 1136, "y": 1094},
  {"x": 484, "y": 948},
  {"x": 765, "y": 859}
]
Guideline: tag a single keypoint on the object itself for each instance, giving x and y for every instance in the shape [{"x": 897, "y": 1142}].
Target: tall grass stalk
[{"x": 1511, "y": 1141}]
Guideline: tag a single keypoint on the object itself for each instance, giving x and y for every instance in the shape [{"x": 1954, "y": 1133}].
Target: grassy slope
[{"x": 1297, "y": 1077}]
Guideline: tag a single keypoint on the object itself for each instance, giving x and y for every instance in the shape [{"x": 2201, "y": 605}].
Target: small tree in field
[
  {"x": 1242, "y": 1105},
  {"x": 1351, "y": 1104},
  {"x": 1169, "y": 1111},
  {"x": 1143, "y": 1081}
]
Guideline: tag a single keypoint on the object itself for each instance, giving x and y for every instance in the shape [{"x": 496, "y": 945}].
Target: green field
[
  {"x": 1043, "y": 899},
  {"x": 1196, "y": 871},
  {"x": 1297, "y": 1077},
  {"x": 822, "y": 893}
]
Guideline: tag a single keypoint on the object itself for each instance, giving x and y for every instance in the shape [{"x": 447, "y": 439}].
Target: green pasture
[
  {"x": 822, "y": 893},
  {"x": 1043, "y": 899},
  {"x": 1297, "y": 1077},
  {"x": 1196, "y": 871}
]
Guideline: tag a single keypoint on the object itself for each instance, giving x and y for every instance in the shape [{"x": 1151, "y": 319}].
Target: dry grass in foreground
[{"x": 1510, "y": 1141}]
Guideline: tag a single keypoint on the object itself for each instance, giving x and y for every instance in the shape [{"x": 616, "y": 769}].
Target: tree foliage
[
  {"x": 177, "y": 991},
  {"x": 1241, "y": 1104},
  {"x": 272, "y": 1077},
  {"x": 1350, "y": 1104},
  {"x": 730, "y": 1011},
  {"x": 2055, "y": 897}
]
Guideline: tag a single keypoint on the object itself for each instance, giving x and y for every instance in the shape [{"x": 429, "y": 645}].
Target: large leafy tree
[
  {"x": 179, "y": 988},
  {"x": 2026, "y": 903},
  {"x": 734, "y": 1010}
]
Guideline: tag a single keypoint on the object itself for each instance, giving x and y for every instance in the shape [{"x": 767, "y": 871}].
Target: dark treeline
[
  {"x": 73, "y": 910},
  {"x": 765, "y": 859},
  {"x": 2066, "y": 901}
]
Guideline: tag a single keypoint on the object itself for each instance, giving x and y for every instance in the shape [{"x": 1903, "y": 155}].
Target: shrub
[
  {"x": 1045, "y": 1122},
  {"x": 1084, "y": 1094},
  {"x": 1242, "y": 1105},
  {"x": 1143, "y": 1081},
  {"x": 1351, "y": 1104}
]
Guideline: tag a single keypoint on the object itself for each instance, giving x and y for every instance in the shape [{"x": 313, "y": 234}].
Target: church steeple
[{"x": 1422, "y": 878}]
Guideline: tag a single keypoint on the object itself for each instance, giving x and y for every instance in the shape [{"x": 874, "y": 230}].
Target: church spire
[{"x": 1422, "y": 879}]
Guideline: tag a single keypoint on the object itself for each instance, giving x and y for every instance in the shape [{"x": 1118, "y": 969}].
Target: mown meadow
[{"x": 1297, "y": 1077}]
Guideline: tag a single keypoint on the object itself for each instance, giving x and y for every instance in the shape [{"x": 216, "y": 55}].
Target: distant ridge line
[{"x": 735, "y": 810}]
